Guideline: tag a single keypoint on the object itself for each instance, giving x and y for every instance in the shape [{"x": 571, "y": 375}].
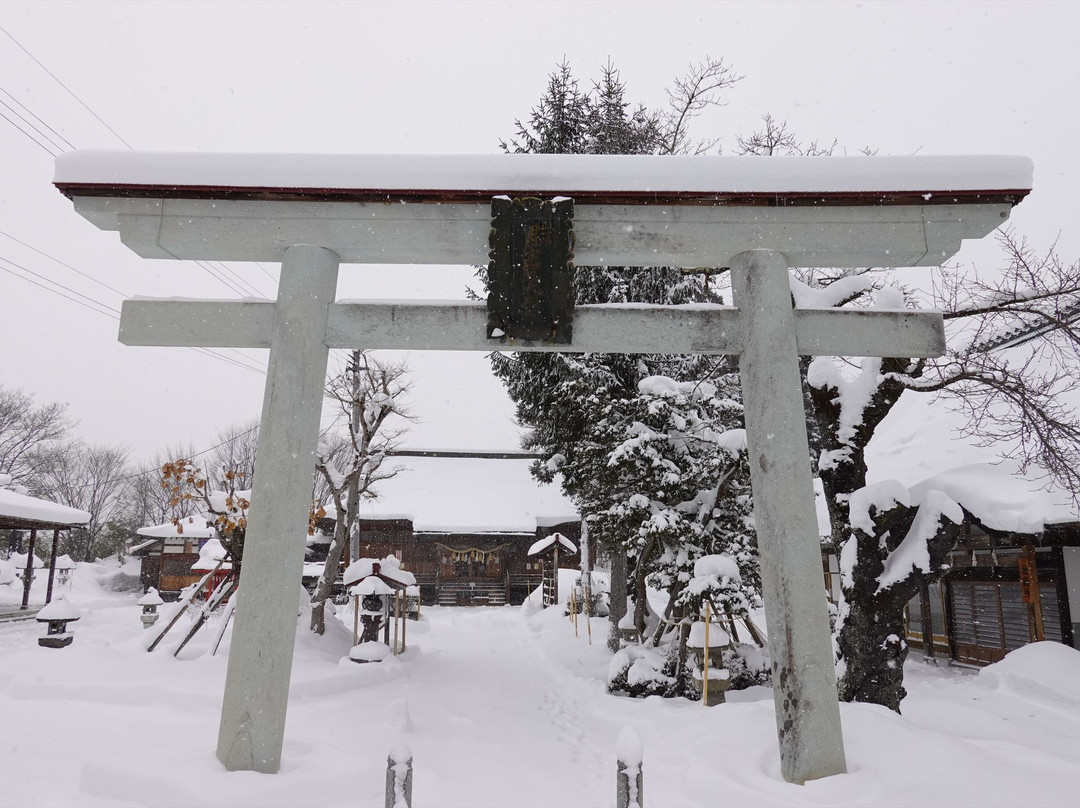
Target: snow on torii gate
[{"x": 756, "y": 216}]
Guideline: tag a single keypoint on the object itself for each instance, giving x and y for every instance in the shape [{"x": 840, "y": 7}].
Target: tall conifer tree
[{"x": 633, "y": 439}]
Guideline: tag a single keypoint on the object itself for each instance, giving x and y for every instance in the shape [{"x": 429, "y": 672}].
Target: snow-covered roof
[
  {"x": 19, "y": 560},
  {"x": 545, "y": 543},
  {"x": 31, "y": 509},
  {"x": 209, "y": 555},
  {"x": 151, "y": 598},
  {"x": 372, "y": 585},
  {"x": 467, "y": 495},
  {"x": 389, "y": 568},
  {"x": 920, "y": 445},
  {"x": 193, "y": 528},
  {"x": 58, "y": 609},
  {"x": 484, "y": 176}
]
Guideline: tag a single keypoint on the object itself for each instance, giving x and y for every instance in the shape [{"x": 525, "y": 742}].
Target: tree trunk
[
  {"x": 872, "y": 646},
  {"x": 617, "y": 606},
  {"x": 326, "y": 580},
  {"x": 870, "y": 632},
  {"x": 641, "y": 599}
]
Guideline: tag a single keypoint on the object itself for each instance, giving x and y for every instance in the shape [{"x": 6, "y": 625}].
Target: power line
[
  {"x": 40, "y": 145},
  {"x": 262, "y": 269},
  {"x": 63, "y": 264},
  {"x": 52, "y": 144},
  {"x": 114, "y": 313},
  {"x": 225, "y": 275},
  {"x": 254, "y": 290},
  {"x": 61, "y": 294},
  {"x": 56, "y": 135},
  {"x": 222, "y": 277},
  {"x": 67, "y": 89},
  {"x": 110, "y": 312}
]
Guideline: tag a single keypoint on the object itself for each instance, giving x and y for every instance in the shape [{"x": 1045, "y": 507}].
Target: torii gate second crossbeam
[{"x": 756, "y": 216}]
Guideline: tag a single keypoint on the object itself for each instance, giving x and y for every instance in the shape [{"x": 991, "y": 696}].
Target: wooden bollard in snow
[
  {"x": 628, "y": 780},
  {"x": 399, "y": 777}
]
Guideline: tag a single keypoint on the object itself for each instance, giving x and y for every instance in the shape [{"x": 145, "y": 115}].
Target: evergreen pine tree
[{"x": 633, "y": 439}]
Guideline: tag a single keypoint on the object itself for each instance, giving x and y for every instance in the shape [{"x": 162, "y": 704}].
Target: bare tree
[
  {"x": 1014, "y": 349},
  {"x": 26, "y": 430},
  {"x": 368, "y": 396},
  {"x": 775, "y": 138},
  {"x": 146, "y": 502},
  {"x": 701, "y": 87},
  {"x": 90, "y": 478},
  {"x": 235, "y": 449}
]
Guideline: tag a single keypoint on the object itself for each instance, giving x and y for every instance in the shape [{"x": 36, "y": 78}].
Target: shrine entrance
[{"x": 756, "y": 217}]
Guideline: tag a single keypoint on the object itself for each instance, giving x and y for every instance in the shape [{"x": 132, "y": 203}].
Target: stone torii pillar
[{"x": 630, "y": 211}]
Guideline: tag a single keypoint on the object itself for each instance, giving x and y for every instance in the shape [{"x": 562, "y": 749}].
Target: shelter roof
[{"x": 26, "y": 512}]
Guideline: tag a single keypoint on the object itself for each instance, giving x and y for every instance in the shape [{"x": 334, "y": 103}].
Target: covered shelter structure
[
  {"x": 23, "y": 512},
  {"x": 753, "y": 217}
]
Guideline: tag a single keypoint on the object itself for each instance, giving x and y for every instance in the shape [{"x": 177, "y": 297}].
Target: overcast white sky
[{"x": 451, "y": 77}]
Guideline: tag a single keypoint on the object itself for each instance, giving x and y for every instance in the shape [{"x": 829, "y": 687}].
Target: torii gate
[{"x": 756, "y": 216}]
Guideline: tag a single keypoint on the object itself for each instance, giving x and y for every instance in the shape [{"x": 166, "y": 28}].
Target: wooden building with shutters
[
  {"x": 467, "y": 567},
  {"x": 1002, "y": 591}
]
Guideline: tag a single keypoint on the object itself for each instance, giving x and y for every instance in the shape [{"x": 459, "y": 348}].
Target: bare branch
[{"x": 700, "y": 88}]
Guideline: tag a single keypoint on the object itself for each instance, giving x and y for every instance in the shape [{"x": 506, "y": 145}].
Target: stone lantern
[
  {"x": 150, "y": 602},
  {"x": 57, "y": 614},
  {"x": 709, "y": 655}
]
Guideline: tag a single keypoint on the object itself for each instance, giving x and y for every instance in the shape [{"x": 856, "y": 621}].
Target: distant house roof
[
  {"x": 921, "y": 444},
  {"x": 468, "y": 495},
  {"x": 195, "y": 528}
]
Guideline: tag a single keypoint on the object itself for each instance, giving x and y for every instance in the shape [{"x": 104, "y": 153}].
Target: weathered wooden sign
[{"x": 531, "y": 271}]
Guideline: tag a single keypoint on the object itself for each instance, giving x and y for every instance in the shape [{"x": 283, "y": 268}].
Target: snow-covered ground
[{"x": 500, "y": 707}]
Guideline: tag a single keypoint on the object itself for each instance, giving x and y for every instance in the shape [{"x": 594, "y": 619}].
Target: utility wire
[
  {"x": 114, "y": 312},
  {"x": 253, "y": 289},
  {"x": 67, "y": 89},
  {"x": 63, "y": 264},
  {"x": 40, "y": 145},
  {"x": 48, "y": 140},
  {"x": 56, "y": 136},
  {"x": 262, "y": 269},
  {"x": 225, "y": 275},
  {"x": 108, "y": 311},
  {"x": 61, "y": 294}
]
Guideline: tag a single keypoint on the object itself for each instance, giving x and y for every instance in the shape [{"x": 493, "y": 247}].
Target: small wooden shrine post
[{"x": 757, "y": 217}]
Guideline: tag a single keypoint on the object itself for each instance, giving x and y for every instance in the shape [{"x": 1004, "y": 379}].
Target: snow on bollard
[
  {"x": 399, "y": 777},
  {"x": 628, "y": 780}
]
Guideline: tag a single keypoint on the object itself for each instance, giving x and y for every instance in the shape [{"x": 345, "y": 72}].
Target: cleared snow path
[{"x": 500, "y": 708}]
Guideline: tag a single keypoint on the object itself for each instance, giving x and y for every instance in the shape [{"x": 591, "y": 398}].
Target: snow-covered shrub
[
  {"x": 748, "y": 665},
  {"x": 641, "y": 671}
]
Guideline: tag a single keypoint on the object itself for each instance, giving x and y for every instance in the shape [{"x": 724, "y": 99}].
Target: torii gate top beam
[{"x": 629, "y": 210}]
